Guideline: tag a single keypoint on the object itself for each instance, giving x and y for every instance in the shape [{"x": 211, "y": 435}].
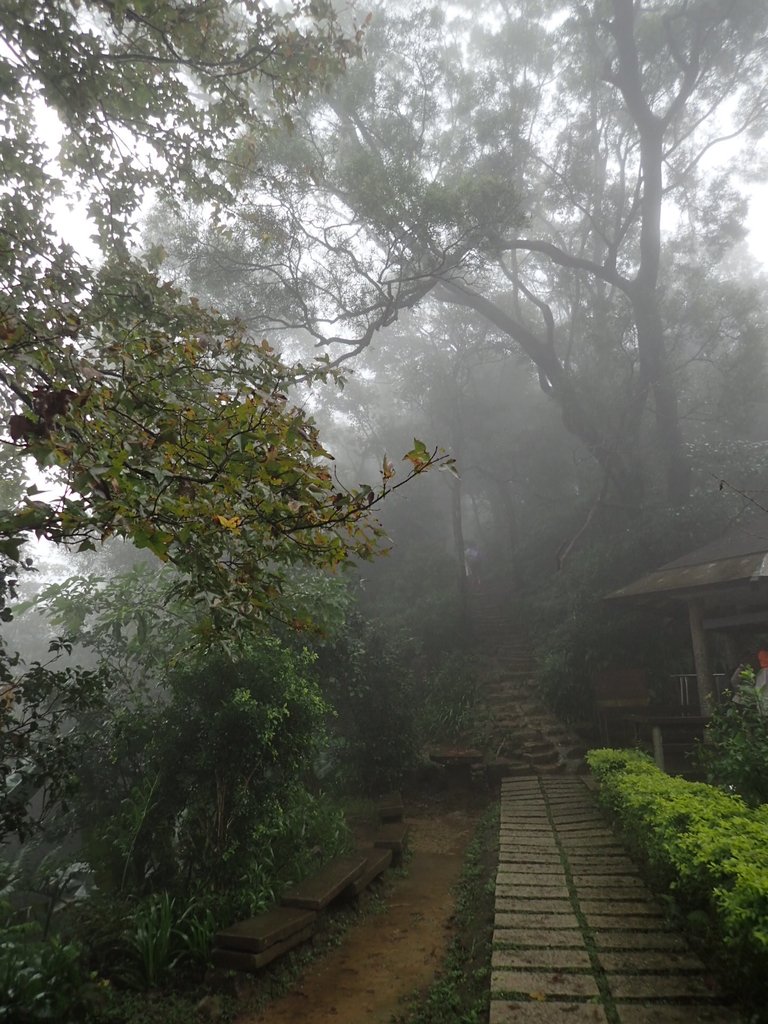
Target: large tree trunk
[
  {"x": 654, "y": 364},
  {"x": 643, "y": 291}
]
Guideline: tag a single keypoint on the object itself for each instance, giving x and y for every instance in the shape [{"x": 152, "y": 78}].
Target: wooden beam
[{"x": 742, "y": 619}]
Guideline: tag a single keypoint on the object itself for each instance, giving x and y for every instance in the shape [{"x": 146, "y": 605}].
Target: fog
[{"x": 349, "y": 365}]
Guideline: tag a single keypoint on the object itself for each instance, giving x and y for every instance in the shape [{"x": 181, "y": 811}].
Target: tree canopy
[
  {"x": 516, "y": 166},
  {"x": 152, "y": 417}
]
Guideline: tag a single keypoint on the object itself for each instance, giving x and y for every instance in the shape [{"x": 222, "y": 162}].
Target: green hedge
[{"x": 705, "y": 845}]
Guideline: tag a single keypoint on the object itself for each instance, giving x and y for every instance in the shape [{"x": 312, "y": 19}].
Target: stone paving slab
[
  {"x": 505, "y": 901},
  {"x": 649, "y": 960},
  {"x": 509, "y": 830},
  {"x": 543, "y": 983},
  {"x": 611, "y": 856},
  {"x": 540, "y": 950},
  {"x": 660, "y": 1014},
  {"x": 582, "y": 797},
  {"x": 602, "y": 865},
  {"x": 522, "y": 891},
  {"x": 607, "y": 881},
  {"x": 519, "y": 826},
  {"x": 582, "y": 825},
  {"x": 519, "y": 837},
  {"x": 579, "y": 821},
  {"x": 520, "y": 855},
  {"x": 519, "y": 820},
  {"x": 525, "y": 838},
  {"x": 637, "y": 922},
  {"x": 540, "y": 958},
  {"x": 618, "y": 893},
  {"x": 551, "y": 938},
  {"x": 544, "y": 841},
  {"x": 602, "y": 842},
  {"x": 537, "y": 840},
  {"x": 543, "y": 874},
  {"x": 503, "y": 1012},
  {"x": 598, "y": 835},
  {"x": 614, "y": 940},
  {"x": 516, "y": 827},
  {"x": 662, "y": 986},
  {"x": 523, "y": 854},
  {"x": 513, "y": 919},
  {"x": 608, "y": 906},
  {"x": 598, "y": 843}
]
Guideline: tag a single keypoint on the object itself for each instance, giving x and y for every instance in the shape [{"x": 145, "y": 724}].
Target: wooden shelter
[{"x": 723, "y": 587}]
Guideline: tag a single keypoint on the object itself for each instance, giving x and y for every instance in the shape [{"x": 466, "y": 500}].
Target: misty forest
[{"x": 384, "y": 511}]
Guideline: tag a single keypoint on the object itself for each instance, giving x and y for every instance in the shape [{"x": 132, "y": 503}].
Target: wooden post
[{"x": 704, "y": 680}]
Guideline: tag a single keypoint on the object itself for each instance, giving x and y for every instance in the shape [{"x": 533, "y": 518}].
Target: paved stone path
[{"x": 578, "y": 937}]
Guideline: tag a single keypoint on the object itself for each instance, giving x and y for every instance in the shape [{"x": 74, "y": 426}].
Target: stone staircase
[{"x": 520, "y": 735}]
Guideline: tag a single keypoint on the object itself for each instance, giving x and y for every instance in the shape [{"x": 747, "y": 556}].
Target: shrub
[
  {"x": 708, "y": 846},
  {"x": 40, "y": 979},
  {"x": 448, "y": 701},
  {"x": 369, "y": 678},
  {"x": 199, "y": 791},
  {"x": 735, "y": 751}
]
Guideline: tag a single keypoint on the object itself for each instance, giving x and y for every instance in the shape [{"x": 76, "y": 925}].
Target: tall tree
[
  {"x": 517, "y": 165},
  {"x": 154, "y": 418}
]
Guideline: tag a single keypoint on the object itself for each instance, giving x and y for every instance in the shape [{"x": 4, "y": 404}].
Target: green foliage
[
  {"x": 577, "y": 634},
  {"x": 151, "y": 941},
  {"x": 447, "y": 704},
  {"x": 40, "y": 979},
  {"x": 707, "y": 846},
  {"x": 158, "y": 937},
  {"x": 735, "y": 748},
  {"x": 202, "y": 785},
  {"x": 369, "y": 678},
  {"x": 133, "y": 620},
  {"x": 154, "y": 418},
  {"x": 45, "y": 713}
]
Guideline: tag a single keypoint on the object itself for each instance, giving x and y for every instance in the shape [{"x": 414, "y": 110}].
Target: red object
[{"x": 762, "y": 658}]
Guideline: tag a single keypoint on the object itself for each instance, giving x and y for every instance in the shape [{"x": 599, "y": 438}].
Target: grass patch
[{"x": 460, "y": 993}]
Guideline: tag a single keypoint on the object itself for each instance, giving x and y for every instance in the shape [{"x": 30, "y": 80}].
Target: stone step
[
  {"x": 237, "y": 960},
  {"x": 259, "y": 933},
  {"x": 545, "y": 757},
  {"x": 317, "y": 892},
  {"x": 536, "y": 749}
]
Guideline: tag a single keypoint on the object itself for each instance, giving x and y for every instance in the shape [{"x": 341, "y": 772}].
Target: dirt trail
[{"x": 387, "y": 956}]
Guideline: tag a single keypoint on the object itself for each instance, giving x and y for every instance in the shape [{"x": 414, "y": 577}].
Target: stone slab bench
[
  {"x": 377, "y": 860},
  {"x": 392, "y": 837},
  {"x": 239, "y": 960},
  {"x": 261, "y": 932},
  {"x": 317, "y": 892},
  {"x": 390, "y": 807}
]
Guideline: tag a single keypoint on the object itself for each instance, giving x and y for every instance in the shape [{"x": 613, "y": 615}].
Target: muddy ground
[{"x": 388, "y": 956}]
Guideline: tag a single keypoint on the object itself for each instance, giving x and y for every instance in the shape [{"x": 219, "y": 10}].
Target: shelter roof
[{"x": 739, "y": 557}]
